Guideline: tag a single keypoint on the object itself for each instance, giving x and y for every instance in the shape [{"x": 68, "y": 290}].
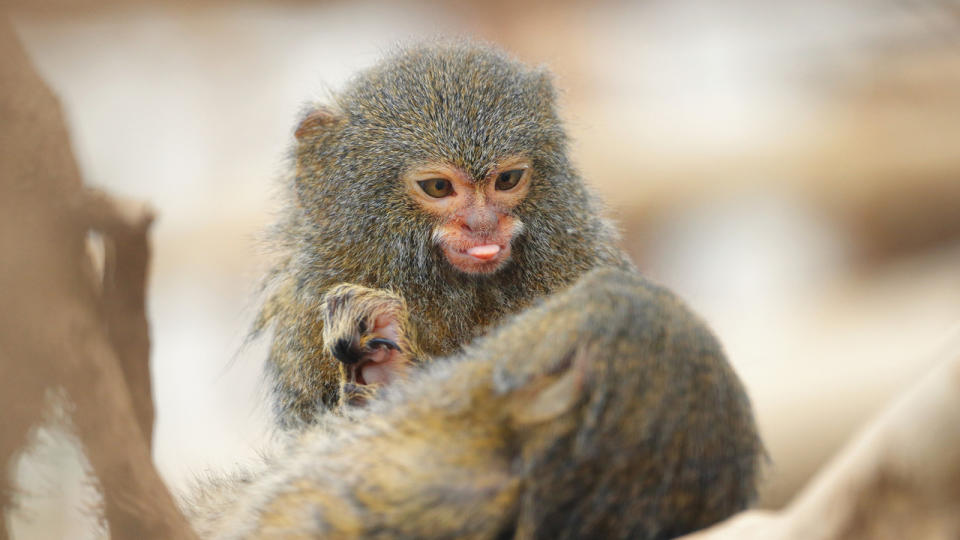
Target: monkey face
[{"x": 476, "y": 225}]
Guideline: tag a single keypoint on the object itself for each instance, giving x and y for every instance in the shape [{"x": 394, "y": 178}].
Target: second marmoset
[
  {"x": 435, "y": 193},
  {"x": 607, "y": 411}
]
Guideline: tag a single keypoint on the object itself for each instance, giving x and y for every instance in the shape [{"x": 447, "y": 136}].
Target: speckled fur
[
  {"x": 350, "y": 309},
  {"x": 607, "y": 411},
  {"x": 350, "y": 220}
]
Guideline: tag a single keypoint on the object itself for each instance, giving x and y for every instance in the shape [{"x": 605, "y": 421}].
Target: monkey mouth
[
  {"x": 484, "y": 252},
  {"x": 479, "y": 257}
]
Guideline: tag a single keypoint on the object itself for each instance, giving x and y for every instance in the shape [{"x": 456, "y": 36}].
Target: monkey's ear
[
  {"x": 544, "y": 81},
  {"x": 314, "y": 122},
  {"x": 552, "y": 394}
]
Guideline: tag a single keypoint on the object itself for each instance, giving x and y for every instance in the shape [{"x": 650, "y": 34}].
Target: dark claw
[
  {"x": 382, "y": 342},
  {"x": 343, "y": 351}
]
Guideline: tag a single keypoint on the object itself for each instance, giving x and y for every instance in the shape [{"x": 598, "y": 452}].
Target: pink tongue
[{"x": 484, "y": 252}]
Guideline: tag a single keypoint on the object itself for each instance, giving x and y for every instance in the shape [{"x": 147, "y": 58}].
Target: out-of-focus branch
[
  {"x": 57, "y": 327},
  {"x": 124, "y": 225},
  {"x": 898, "y": 479}
]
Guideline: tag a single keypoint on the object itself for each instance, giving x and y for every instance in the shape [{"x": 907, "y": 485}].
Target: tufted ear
[
  {"x": 552, "y": 394},
  {"x": 543, "y": 78},
  {"x": 315, "y": 122}
]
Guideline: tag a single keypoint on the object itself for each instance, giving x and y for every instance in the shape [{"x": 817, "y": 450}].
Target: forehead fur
[{"x": 463, "y": 103}]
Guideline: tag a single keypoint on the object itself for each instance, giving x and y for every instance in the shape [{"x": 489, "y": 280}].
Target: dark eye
[
  {"x": 436, "y": 187},
  {"x": 508, "y": 179}
]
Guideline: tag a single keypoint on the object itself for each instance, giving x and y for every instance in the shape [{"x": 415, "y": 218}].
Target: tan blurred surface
[
  {"x": 790, "y": 169},
  {"x": 897, "y": 478},
  {"x": 67, "y": 329}
]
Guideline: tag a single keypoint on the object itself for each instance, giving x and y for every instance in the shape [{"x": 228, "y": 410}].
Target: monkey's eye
[
  {"x": 508, "y": 179},
  {"x": 436, "y": 187}
]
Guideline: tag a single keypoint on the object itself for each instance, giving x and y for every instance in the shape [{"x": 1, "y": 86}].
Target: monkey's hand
[{"x": 367, "y": 330}]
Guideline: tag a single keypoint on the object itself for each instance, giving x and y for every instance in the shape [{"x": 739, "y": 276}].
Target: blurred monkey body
[
  {"x": 606, "y": 411},
  {"x": 439, "y": 176}
]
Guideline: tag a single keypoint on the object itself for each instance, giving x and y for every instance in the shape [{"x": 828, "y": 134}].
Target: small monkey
[
  {"x": 436, "y": 188},
  {"x": 606, "y": 411}
]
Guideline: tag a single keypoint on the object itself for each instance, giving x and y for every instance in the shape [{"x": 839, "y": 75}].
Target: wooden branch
[
  {"x": 58, "y": 329},
  {"x": 124, "y": 225}
]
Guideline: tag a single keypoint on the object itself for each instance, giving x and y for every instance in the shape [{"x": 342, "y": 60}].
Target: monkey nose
[{"x": 480, "y": 222}]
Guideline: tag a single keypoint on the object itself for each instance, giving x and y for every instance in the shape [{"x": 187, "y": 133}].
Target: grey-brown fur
[
  {"x": 608, "y": 411},
  {"x": 349, "y": 220}
]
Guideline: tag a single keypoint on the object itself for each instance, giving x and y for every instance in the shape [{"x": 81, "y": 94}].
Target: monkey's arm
[
  {"x": 368, "y": 331},
  {"x": 335, "y": 348}
]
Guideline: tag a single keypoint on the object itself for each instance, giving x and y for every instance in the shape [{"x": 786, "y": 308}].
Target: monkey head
[{"x": 441, "y": 158}]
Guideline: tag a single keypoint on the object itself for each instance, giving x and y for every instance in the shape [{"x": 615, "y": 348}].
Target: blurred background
[{"x": 792, "y": 169}]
